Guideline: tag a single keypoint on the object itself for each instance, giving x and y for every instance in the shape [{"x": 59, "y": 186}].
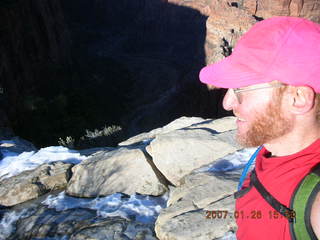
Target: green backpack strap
[{"x": 301, "y": 202}]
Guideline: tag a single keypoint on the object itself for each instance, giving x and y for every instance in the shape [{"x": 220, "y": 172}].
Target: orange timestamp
[{"x": 254, "y": 214}]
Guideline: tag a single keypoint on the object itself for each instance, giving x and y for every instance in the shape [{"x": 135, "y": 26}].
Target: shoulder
[{"x": 315, "y": 216}]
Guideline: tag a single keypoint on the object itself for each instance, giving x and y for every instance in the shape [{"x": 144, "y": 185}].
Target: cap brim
[{"x": 229, "y": 74}]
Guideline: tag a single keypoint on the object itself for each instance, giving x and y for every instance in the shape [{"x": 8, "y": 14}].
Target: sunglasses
[{"x": 238, "y": 91}]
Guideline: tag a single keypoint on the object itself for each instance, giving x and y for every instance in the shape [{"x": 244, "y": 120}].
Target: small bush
[
  {"x": 107, "y": 136},
  {"x": 69, "y": 142},
  {"x": 106, "y": 131}
]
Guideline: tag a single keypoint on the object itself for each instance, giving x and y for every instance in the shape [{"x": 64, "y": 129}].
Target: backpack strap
[
  {"x": 279, "y": 207},
  {"x": 301, "y": 201}
]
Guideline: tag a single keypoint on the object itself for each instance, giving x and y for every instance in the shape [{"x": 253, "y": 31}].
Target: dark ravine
[{"x": 86, "y": 64}]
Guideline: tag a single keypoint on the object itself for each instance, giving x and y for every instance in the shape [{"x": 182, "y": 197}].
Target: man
[{"x": 273, "y": 81}]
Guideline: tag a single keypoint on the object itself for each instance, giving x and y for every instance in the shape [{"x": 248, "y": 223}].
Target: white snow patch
[
  {"x": 229, "y": 162},
  {"x": 8, "y": 221},
  {"x": 141, "y": 208},
  {"x": 12, "y": 164}
]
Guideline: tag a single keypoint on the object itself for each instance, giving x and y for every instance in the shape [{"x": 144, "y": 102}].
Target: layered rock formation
[{"x": 228, "y": 19}]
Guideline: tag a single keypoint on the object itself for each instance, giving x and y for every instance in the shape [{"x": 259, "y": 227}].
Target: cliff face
[
  {"x": 33, "y": 39},
  {"x": 228, "y": 19},
  {"x": 298, "y": 8},
  {"x": 261, "y": 8}
]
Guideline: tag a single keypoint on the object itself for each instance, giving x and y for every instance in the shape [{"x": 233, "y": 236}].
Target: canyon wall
[{"x": 33, "y": 38}]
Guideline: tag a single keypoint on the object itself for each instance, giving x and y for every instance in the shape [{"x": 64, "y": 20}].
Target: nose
[{"x": 229, "y": 100}]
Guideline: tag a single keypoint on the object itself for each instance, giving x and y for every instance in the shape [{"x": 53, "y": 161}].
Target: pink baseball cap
[{"x": 286, "y": 49}]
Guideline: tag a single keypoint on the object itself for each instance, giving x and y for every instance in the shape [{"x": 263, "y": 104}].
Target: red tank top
[{"x": 256, "y": 219}]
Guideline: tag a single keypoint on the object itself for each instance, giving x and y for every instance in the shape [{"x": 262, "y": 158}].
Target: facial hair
[{"x": 268, "y": 125}]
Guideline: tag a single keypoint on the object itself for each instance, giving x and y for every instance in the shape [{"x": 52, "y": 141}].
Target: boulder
[
  {"x": 78, "y": 223},
  {"x": 34, "y": 183},
  {"x": 188, "y": 215},
  {"x": 126, "y": 170},
  {"x": 179, "y": 152}
]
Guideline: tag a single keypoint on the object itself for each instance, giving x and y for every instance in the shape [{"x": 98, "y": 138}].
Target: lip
[{"x": 240, "y": 119}]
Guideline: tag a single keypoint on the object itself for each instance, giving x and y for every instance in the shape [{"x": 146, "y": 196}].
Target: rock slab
[
  {"x": 178, "y": 152},
  {"x": 187, "y": 216},
  {"x": 34, "y": 183},
  {"x": 125, "y": 170}
]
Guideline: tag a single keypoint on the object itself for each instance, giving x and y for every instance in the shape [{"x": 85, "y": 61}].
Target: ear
[{"x": 302, "y": 99}]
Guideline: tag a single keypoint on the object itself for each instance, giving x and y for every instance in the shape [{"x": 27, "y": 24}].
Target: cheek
[{"x": 252, "y": 107}]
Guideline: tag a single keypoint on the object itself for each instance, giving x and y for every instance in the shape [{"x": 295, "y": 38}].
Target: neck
[{"x": 293, "y": 142}]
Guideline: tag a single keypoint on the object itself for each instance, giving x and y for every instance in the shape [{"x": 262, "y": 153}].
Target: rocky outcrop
[
  {"x": 179, "y": 152},
  {"x": 34, "y": 183},
  {"x": 224, "y": 29},
  {"x": 123, "y": 170},
  {"x": 219, "y": 125},
  {"x": 297, "y": 8},
  {"x": 163, "y": 158},
  {"x": 260, "y": 8},
  {"x": 151, "y": 163},
  {"x": 228, "y": 20},
  {"x": 174, "y": 125},
  {"x": 203, "y": 6},
  {"x": 187, "y": 216}
]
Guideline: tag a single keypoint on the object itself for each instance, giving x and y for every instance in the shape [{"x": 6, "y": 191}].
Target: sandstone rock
[
  {"x": 176, "y": 124},
  {"x": 219, "y": 125},
  {"x": 203, "y": 6},
  {"x": 186, "y": 215},
  {"x": 179, "y": 152},
  {"x": 228, "y": 20},
  {"x": 126, "y": 170},
  {"x": 34, "y": 183},
  {"x": 297, "y": 8},
  {"x": 224, "y": 29},
  {"x": 93, "y": 151}
]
